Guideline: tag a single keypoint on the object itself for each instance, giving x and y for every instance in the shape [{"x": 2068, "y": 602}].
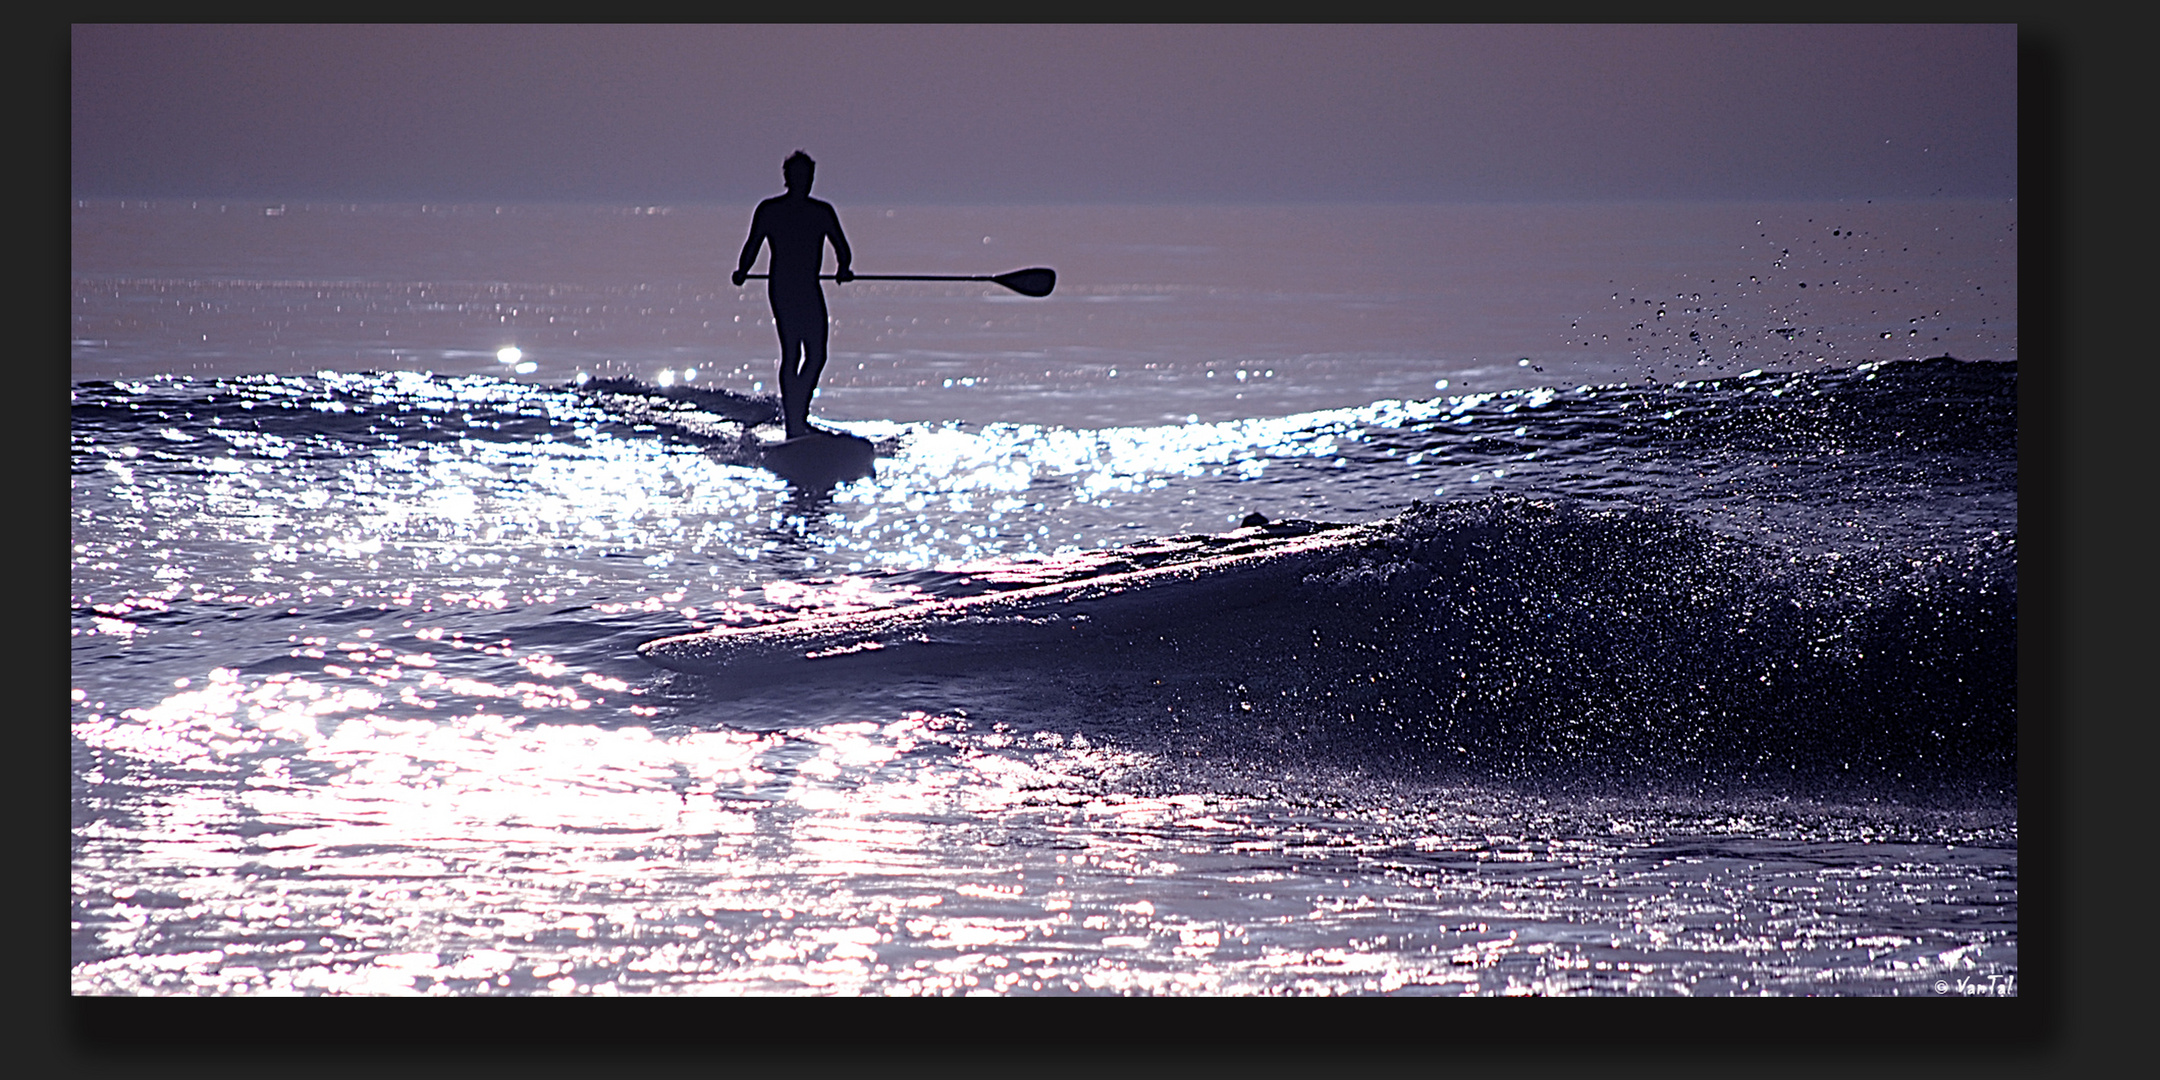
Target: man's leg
[
  {"x": 801, "y": 320},
  {"x": 798, "y": 377},
  {"x": 813, "y": 365},
  {"x": 794, "y": 403}
]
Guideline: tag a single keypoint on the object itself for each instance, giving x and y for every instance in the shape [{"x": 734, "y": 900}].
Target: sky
[{"x": 1039, "y": 114}]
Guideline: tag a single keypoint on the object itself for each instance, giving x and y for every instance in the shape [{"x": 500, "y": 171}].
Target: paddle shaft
[
  {"x": 1033, "y": 281},
  {"x": 896, "y": 277}
]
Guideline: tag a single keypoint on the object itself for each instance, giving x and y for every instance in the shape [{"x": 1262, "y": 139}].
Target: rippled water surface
[{"x": 1674, "y": 669}]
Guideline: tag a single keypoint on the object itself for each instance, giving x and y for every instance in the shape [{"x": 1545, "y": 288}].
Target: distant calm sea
[{"x": 1680, "y": 658}]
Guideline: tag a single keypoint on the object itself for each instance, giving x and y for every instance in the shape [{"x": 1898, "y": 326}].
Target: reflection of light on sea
[
  {"x": 522, "y": 845},
  {"x": 448, "y": 810},
  {"x": 434, "y": 505},
  {"x": 985, "y": 475},
  {"x": 420, "y": 779},
  {"x": 469, "y": 849}
]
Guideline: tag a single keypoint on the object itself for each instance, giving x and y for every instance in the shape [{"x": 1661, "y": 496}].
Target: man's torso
[{"x": 796, "y": 227}]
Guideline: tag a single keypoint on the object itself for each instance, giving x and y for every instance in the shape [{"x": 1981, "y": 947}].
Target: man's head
[{"x": 796, "y": 170}]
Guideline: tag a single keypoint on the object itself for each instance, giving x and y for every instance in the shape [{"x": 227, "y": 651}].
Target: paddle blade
[{"x": 1034, "y": 281}]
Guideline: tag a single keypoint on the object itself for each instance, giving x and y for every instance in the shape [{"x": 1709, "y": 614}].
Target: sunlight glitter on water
[
  {"x": 916, "y": 855},
  {"x": 439, "y": 801},
  {"x": 428, "y": 513},
  {"x": 358, "y": 708}
]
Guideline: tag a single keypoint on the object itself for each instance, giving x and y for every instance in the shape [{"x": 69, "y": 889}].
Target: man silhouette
[{"x": 797, "y": 227}]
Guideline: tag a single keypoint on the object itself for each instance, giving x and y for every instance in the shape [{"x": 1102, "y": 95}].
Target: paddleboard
[{"x": 819, "y": 459}]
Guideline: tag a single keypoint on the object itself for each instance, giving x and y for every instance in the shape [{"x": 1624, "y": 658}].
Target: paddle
[{"x": 1033, "y": 281}]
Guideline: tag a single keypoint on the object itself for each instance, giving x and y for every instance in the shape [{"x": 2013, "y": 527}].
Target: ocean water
[{"x": 1668, "y": 646}]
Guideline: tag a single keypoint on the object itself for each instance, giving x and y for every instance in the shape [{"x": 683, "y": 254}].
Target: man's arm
[
  {"x": 750, "y": 246},
  {"x": 841, "y": 254}
]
